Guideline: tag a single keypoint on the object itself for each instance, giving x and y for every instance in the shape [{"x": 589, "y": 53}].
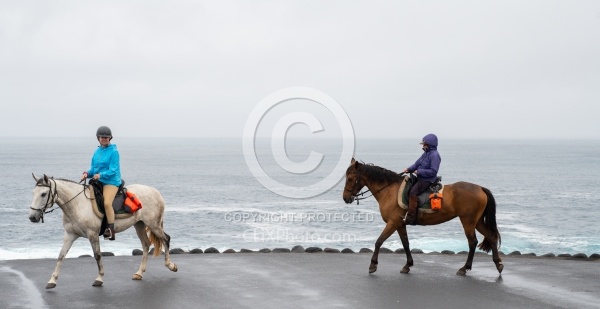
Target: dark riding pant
[{"x": 419, "y": 187}]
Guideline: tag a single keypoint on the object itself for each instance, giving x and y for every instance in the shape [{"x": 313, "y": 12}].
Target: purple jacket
[{"x": 428, "y": 165}]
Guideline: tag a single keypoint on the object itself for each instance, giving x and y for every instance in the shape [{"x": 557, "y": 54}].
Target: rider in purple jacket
[{"x": 426, "y": 169}]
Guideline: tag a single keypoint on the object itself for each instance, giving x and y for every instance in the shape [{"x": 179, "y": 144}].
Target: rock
[
  {"x": 563, "y": 255},
  {"x": 281, "y": 250},
  {"x": 500, "y": 253},
  {"x": 549, "y": 255},
  {"x": 365, "y": 250},
  {"x": 137, "y": 252},
  {"x": 463, "y": 252},
  {"x": 176, "y": 251},
  {"x": 211, "y": 250},
  {"x": 447, "y": 252},
  {"x": 108, "y": 254},
  {"x": 265, "y": 250},
  {"x": 246, "y": 251},
  {"x": 298, "y": 249},
  {"x": 85, "y": 255},
  {"x": 400, "y": 250},
  {"x": 595, "y": 256},
  {"x": 196, "y": 251},
  {"x": 229, "y": 251},
  {"x": 331, "y": 250},
  {"x": 433, "y": 252},
  {"x": 347, "y": 250},
  {"x": 580, "y": 256},
  {"x": 416, "y": 251},
  {"x": 529, "y": 254},
  {"x": 515, "y": 253},
  {"x": 313, "y": 250},
  {"x": 385, "y": 250}
]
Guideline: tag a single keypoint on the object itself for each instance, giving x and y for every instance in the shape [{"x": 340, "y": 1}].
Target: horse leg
[
  {"x": 387, "y": 232},
  {"x": 487, "y": 234},
  {"x": 166, "y": 242},
  {"x": 140, "y": 229},
  {"x": 95, "y": 242},
  {"x": 67, "y": 243},
  {"x": 171, "y": 266},
  {"x": 472, "y": 240},
  {"x": 404, "y": 238}
]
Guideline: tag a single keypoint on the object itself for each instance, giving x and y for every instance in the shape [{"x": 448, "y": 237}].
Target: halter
[
  {"x": 53, "y": 198},
  {"x": 356, "y": 195}
]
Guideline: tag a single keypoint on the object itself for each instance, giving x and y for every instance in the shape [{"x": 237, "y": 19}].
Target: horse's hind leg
[
  {"x": 493, "y": 240},
  {"x": 67, "y": 243},
  {"x": 472, "y": 239},
  {"x": 140, "y": 229},
  {"x": 171, "y": 266},
  {"x": 389, "y": 229},
  {"x": 165, "y": 239}
]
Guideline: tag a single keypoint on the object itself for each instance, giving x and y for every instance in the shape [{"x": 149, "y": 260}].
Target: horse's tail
[
  {"x": 155, "y": 240},
  {"x": 489, "y": 219}
]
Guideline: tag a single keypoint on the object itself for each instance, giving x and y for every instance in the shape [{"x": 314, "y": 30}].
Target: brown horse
[{"x": 472, "y": 204}]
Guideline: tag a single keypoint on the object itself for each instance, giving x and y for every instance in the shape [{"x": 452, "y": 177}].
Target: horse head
[
  {"x": 44, "y": 196},
  {"x": 354, "y": 182}
]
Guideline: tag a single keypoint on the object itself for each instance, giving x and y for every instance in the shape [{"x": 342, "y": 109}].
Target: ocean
[{"x": 546, "y": 193}]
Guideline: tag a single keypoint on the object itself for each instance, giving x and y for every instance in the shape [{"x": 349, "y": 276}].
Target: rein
[
  {"x": 358, "y": 196},
  {"x": 53, "y": 198}
]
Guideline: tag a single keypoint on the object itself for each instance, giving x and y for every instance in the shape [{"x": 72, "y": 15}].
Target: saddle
[
  {"x": 118, "y": 202},
  {"x": 424, "y": 203}
]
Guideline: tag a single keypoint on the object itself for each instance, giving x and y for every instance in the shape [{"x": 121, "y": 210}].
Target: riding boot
[
  {"x": 411, "y": 213},
  {"x": 110, "y": 232}
]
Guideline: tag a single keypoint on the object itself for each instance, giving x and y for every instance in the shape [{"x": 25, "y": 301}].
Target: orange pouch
[
  {"x": 436, "y": 201},
  {"x": 132, "y": 203}
]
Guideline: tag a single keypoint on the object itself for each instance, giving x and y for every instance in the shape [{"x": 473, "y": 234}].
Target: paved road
[{"x": 303, "y": 280}]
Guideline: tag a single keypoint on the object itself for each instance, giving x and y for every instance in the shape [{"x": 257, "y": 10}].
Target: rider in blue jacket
[
  {"x": 426, "y": 168},
  {"x": 106, "y": 168}
]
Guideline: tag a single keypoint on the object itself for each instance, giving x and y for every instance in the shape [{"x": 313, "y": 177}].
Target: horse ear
[
  {"x": 45, "y": 178},
  {"x": 352, "y": 162},
  {"x": 34, "y": 177}
]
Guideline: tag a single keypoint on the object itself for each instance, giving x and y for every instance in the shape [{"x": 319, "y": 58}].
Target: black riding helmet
[{"x": 104, "y": 131}]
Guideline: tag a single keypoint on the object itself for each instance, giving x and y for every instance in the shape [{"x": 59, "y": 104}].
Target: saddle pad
[{"x": 423, "y": 207}]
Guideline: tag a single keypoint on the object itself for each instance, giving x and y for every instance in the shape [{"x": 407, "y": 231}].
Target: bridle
[
  {"x": 52, "y": 197},
  {"x": 358, "y": 196}
]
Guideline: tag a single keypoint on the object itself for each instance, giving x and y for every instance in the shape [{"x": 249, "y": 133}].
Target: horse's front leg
[
  {"x": 95, "y": 242},
  {"x": 405, "y": 244},
  {"x": 389, "y": 229},
  {"x": 67, "y": 243}
]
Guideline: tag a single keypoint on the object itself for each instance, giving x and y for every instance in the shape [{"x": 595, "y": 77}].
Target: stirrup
[{"x": 109, "y": 234}]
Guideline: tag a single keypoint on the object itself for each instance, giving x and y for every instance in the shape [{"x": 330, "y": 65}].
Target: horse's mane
[
  {"x": 68, "y": 180},
  {"x": 41, "y": 180},
  {"x": 379, "y": 174}
]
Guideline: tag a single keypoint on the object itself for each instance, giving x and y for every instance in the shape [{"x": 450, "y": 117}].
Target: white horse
[{"x": 80, "y": 219}]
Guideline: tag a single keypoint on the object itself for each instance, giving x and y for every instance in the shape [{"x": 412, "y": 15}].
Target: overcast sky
[{"x": 460, "y": 69}]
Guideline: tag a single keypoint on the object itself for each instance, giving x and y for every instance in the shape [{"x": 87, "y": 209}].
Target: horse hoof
[
  {"x": 405, "y": 270},
  {"x": 174, "y": 268},
  {"x": 500, "y": 268},
  {"x": 372, "y": 269},
  {"x": 50, "y": 285},
  {"x": 136, "y": 277},
  {"x": 97, "y": 283},
  {"x": 461, "y": 272}
]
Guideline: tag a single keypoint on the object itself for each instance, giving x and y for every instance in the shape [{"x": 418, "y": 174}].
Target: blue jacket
[
  {"x": 106, "y": 163},
  {"x": 428, "y": 165}
]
